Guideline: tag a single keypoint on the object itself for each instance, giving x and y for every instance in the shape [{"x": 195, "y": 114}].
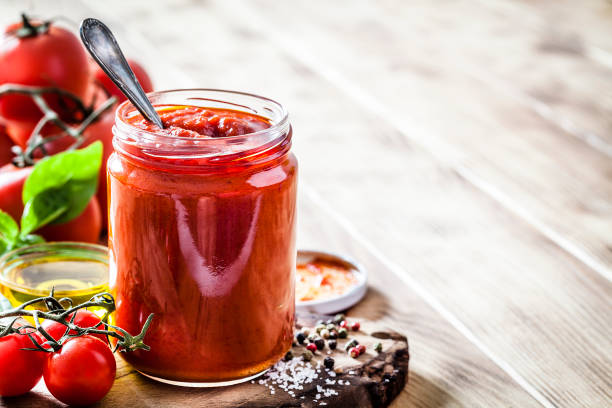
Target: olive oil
[{"x": 77, "y": 279}]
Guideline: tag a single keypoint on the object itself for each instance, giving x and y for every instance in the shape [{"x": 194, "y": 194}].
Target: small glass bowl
[{"x": 73, "y": 270}]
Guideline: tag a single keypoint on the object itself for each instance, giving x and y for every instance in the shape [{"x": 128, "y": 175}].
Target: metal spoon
[{"x": 103, "y": 47}]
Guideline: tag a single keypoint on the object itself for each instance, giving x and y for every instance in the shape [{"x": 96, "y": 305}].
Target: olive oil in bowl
[{"x": 74, "y": 270}]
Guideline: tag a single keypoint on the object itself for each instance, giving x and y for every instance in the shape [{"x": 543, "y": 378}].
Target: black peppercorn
[
  {"x": 333, "y": 334},
  {"x": 300, "y": 337},
  {"x": 320, "y": 343},
  {"x": 288, "y": 356},
  {"x": 332, "y": 344},
  {"x": 328, "y": 362}
]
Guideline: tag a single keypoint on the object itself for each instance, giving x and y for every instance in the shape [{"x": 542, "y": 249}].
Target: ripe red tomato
[
  {"x": 139, "y": 71},
  {"x": 6, "y": 155},
  {"x": 20, "y": 370},
  {"x": 54, "y": 58},
  {"x": 81, "y": 372},
  {"x": 84, "y": 228},
  {"x": 84, "y": 318}
]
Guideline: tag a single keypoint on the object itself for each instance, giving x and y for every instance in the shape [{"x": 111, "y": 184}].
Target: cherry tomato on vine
[
  {"x": 111, "y": 88},
  {"x": 84, "y": 319},
  {"x": 6, "y": 155},
  {"x": 84, "y": 228},
  {"x": 20, "y": 370},
  {"x": 41, "y": 54},
  {"x": 81, "y": 372}
]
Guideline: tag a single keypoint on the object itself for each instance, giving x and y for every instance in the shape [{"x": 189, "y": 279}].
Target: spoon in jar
[{"x": 103, "y": 47}]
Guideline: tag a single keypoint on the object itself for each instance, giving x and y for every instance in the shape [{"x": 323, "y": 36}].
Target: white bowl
[{"x": 337, "y": 303}]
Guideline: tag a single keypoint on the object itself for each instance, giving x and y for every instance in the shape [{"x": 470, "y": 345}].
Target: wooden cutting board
[{"x": 372, "y": 380}]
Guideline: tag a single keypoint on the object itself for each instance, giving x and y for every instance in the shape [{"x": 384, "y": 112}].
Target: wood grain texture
[
  {"x": 402, "y": 145},
  {"x": 469, "y": 93}
]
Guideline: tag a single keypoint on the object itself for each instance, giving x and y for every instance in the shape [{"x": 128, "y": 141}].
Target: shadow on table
[{"x": 31, "y": 400}]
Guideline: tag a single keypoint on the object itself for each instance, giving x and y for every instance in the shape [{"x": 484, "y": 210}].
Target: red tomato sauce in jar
[{"x": 202, "y": 234}]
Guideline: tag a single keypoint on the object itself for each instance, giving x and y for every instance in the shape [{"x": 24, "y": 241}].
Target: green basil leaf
[
  {"x": 55, "y": 171},
  {"x": 72, "y": 176},
  {"x": 43, "y": 208},
  {"x": 9, "y": 231}
]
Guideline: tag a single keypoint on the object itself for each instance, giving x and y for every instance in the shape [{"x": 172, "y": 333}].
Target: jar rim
[{"x": 279, "y": 126}]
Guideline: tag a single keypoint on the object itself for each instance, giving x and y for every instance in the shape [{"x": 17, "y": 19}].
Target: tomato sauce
[
  {"x": 207, "y": 244},
  {"x": 322, "y": 279}
]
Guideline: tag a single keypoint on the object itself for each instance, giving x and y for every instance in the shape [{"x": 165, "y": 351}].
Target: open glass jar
[{"x": 202, "y": 234}]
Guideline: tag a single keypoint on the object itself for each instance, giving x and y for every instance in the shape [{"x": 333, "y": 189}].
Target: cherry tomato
[
  {"x": 51, "y": 58},
  {"x": 81, "y": 372},
  {"x": 84, "y": 318},
  {"x": 84, "y": 228},
  {"x": 139, "y": 71},
  {"x": 20, "y": 370},
  {"x": 6, "y": 155}
]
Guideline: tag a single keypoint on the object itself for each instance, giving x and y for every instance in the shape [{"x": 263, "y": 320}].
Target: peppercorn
[
  {"x": 288, "y": 356},
  {"x": 331, "y": 327},
  {"x": 320, "y": 321},
  {"x": 328, "y": 362},
  {"x": 342, "y": 333},
  {"x": 378, "y": 347},
  {"x": 300, "y": 337},
  {"x": 306, "y": 331},
  {"x": 354, "y": 352},
  {"x": 329, "y": 321},
  {"x": 333, "y": 334},
  {"x": 311, "y": 347},
  {"x": 351, "y": 344},
  {"x": 355, "y": 326},
  {"x": 319, "y": 343},
  {"x": 361, "y": 348},
  {"x": 332, "y": 344},
  {"x": 324, "y": 333},
  {"x": 339, "y": 317},
  {"x": 312, "y": 337},
  {"x": 319, "y": 327},
  {"x": 307, "y": 355},
  {"x": 344, "y": 324}
]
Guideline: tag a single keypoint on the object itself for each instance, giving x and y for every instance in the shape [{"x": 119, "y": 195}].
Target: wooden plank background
[{"x": 460, "y": 149}]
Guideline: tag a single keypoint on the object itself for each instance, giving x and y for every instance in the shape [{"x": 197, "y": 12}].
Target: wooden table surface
[{"x": 460, "y": 149}]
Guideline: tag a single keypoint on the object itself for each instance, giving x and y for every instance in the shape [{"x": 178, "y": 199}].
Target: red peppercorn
[
  {"x": 354, "y": 352},
  {"x": 355, "y": 326},
  {"x": 312, "y": 347},
  {"x": 361, "y": 348},
  {"x": 344, "y": 324}
]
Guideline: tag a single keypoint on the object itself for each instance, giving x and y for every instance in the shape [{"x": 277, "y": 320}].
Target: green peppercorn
[
  {"x": 331, "y": 327},
  {"x": 300, "y": 337},
  {"x": 288, "y": 356},
  {"x": 307, "y": 355},
  {"x": 339, "y": 317},
  {"x": 332, "y": 344},
  {"x": 312, "y": 337},
  {"x": 351, "y": 344},
  {"x": 320, "y": 343},
  {"x": 342, "y": 333},
  {"x": 306, "y": 331},
  {"x": 333, "y": 334},
  {"x": 324, "y": 333},
  {"x": 328, "y": 362},
  {"x": 319, "y": 327},
  {"x": 378, "y": 347}
]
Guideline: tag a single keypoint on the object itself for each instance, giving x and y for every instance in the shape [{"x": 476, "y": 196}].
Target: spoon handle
[{"x": 103, "y": 47}]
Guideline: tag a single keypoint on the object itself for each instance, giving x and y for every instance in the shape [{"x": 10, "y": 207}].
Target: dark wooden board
[{"x": 372, "y": 380}]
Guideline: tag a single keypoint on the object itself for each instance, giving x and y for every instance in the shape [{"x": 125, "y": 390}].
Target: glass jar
[
  {"x": 74, "y": 270},
  {"x": 202, "y": 234}
]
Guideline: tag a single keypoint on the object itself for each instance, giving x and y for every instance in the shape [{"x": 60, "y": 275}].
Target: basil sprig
[{"x": 57, "y": 191}]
